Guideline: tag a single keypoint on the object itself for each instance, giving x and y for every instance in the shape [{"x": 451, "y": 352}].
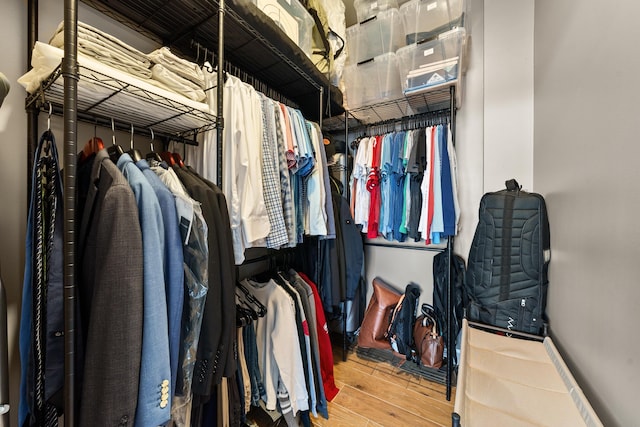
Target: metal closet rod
[
  {"x": 401, "y": 246},
  {"x": 246, "y": 77},
  {"x": 408, "y": 123},
  {"x": 273, "y": 255},
  {"x": 97, "y": 120}
]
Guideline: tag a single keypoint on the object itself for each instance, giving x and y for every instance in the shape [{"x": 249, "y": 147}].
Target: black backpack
[
  {"x": 507, "y": 271},
  {"x": 400, "y": 330},
  {"x": 440, "y": 264}
]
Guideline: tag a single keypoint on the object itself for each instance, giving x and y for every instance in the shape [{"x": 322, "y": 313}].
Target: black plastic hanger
[
  {"x": 261, "y": 310},
  {"x": 246, "y": 308}
]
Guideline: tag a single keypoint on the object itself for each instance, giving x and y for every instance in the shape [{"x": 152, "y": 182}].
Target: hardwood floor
[{"x": 374, "y": 394}]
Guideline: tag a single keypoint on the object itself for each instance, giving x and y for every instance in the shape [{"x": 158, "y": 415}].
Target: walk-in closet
[{"x": 317, "y": 213}]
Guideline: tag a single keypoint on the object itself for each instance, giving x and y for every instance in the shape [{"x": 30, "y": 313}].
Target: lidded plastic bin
[
  {"x": 366, "y": 9},
  {"x": 426, "y": 65},
  {"x": 425, "y": 19},
  {"x": 292, "y": 18},
  {"x": 373, "y": 81},
  {"x": 380, "y": 34}
]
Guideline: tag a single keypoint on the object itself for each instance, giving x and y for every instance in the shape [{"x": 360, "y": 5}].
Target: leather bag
[
  {"x": 378, "y": 315},
  {"x": 429, "y": 345}
]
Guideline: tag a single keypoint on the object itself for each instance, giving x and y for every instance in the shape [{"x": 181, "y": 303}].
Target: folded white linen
[
  {"x": 106, "y": 48},
  {"x": 176, "y": 83},
  {"x": 183, "y": 68},
  {"x": 89, "y": 32},
  {"x": 45, "y": 58}
]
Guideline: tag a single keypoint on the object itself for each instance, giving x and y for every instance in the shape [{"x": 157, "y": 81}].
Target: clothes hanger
[
  {"x": 213, "y": 61},
  {"x": 92, "y": 146},
  {"x": 243, "y": 317},
  {"x": 261, "y": 310},
  {"x": 49, "y": 117},
  {"x": 167, "y": 156},
  {"x": 114, "y": 151},
  {"x": 243, "y": 306},
  {"x": 48, "y": 134},
  {"x": 134, "y": 152},
  {"x": 177, "y": 159},
  {"x": 205, "y": 61},
  {"x": 152, "y": 155}
]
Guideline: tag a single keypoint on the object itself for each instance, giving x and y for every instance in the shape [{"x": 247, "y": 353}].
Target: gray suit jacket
[{"x": 111, "y": 291}]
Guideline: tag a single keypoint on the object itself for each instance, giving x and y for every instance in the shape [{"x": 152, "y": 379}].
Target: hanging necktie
[{"x": 46, "y": 194}]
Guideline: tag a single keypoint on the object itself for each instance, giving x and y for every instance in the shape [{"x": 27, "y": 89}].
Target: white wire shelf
[
  {"x": 434, "y": 99},
  {"x": 104, "y": 96}
]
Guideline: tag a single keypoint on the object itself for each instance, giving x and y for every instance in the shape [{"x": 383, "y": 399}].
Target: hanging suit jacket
[
  {"x": 173, "y": 269},
  {"x": 216, "y": 352},
  {"x": 154, "y": 403},
  {"x": 227, "y": 277},
  {"x": 110, "y": 289}
]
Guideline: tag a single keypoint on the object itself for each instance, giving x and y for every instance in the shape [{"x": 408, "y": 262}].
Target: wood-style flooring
[{"x": 379, "y": 394}]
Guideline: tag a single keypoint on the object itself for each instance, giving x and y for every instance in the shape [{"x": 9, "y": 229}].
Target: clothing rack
[
  {"x": 272, "y": 258},
  {"x": 429, "y": 118},
  {"x": 259, "y": 85},
  {"x": 246, "y": 77},
  {"x": 412, "y": 247},
  {"x": 69, "y": 107}
]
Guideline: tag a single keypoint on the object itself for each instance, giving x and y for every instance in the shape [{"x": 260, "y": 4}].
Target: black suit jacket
[
  {"x": 228, "y": 278},
  {"x": 216, "y": 343}
]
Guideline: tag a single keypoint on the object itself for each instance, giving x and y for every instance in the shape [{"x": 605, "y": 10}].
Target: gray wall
[
  {"x": 586, "y": 164},
  {"x": 508, "y": 93},
  {"x": 13, "y": 177}
]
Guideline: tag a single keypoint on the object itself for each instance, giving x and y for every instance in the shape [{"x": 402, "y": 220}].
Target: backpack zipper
[{"x": 523, "y": 304}]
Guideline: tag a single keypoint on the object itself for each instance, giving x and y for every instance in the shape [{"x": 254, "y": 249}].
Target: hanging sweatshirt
[{"x": 279, "y": 356}]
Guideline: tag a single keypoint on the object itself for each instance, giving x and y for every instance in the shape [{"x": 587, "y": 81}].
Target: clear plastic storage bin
[
  {"x": 426, "y": 65},
  {"x": 381, "y": 34},
  {"x": 366, "y": 9},
  {"x": 373, "y": 81},
  {"x": 425, "y": 19},
  {"x": 292, "y": 18}
]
